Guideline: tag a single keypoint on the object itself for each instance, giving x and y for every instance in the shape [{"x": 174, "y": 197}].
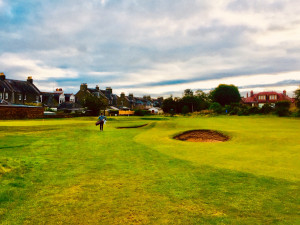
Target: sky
[{"x": 157, "y": 47}]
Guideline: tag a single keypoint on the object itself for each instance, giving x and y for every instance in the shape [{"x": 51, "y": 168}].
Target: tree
[
  {"x": 226, "y": 94},
  {"x": 94, "y": 104},
  {"x": 282, "y": 108},
  {"x": 169, "y": 105},
  {"x": 188, "y": 92},
  {"x": 297, "y": 97},
  {"x": 185, "y": 109},
  {"x": 203, "y": 99}
]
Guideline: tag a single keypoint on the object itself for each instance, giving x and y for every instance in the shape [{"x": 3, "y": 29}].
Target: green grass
[{"x": 64, "y": 171}]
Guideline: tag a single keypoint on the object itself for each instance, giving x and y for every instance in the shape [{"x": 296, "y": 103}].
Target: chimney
[
  {"x": 247, "y": 95},
  {"x": 284, "y": 92},
  {"x": 83, "y": 87},
  {"x": 29, "y": 79},
  {"x": 57, "y": 89},
  {"x": 130, "y": 96},
  {"x": 251, "y": 94},
  {"x": 108, "y": 90},
  {"x": 97, "y": 87},
  {"x": 60, "y": 89},
  {"x": 122, "y": 95},
  {"x": 2, "y": 76}
]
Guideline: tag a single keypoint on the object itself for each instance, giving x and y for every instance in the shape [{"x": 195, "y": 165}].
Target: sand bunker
[
  {"x": 202, "y": 136},
  {"x": 133, "y": 126}
]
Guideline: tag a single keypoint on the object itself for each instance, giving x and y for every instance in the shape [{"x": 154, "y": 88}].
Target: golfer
[{"x": 102, "y": 119}]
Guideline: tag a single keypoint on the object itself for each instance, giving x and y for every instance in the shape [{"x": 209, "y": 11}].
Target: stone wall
[{"x": 9, "y": 112}]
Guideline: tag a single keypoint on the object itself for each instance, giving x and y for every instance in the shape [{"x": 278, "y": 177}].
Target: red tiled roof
[{"x": 254, "y": 98}]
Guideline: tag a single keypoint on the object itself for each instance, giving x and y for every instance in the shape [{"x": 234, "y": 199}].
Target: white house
[{"x": 156, "y": 110}]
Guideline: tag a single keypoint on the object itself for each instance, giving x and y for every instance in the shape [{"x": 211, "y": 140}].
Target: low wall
[
  {"x": 122, "y": 113},
  {"x": 10, "y": 112}
]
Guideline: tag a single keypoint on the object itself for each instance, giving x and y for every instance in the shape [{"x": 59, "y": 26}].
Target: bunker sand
[{"x": 202, "y": 136}]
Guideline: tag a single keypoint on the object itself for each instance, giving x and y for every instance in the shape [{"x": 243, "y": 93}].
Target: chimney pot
[
  {"x": 83, "y": 87},
  {"x": 29, "y": 79},
  {"x": 2, "y": 76}
]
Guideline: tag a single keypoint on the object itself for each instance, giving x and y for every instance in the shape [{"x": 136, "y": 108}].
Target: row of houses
[
  {"x": 18, "y": 92},
  {"x": 25, "y": 92}
]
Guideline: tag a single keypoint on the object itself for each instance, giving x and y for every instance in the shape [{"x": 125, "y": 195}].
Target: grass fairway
[{"x": 64, "y": 171}]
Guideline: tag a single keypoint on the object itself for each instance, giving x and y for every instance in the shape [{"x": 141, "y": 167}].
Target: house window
[
  {"x": 273, "y": 97},
  {"x": 6, "y": 95},
  {"x": 20, "y": 97},
  {"x": 262, "y": 97},
  {"x": 37, "y": 98},
  {"x": 1, "y": 95},
  {"x": 24, "y": 97}
]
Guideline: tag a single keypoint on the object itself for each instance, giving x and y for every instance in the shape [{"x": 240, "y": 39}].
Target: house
[
  {"x": 17, "y": 91},
  {"x": 112, "y": 98},
  {"x": 143, "y": 103},
  {"x": 156, "y": 110},
  {"x": 85, "y": 91},
  {"x": 54, "y": 99},
  {"x": 262, "y": 98},
  {"x": 70, "y": 98},
  {"x": 123, "y": 101},
  {"x": 158, "y": 102}
]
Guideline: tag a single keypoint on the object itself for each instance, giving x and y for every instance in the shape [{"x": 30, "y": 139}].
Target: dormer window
[
  {"x": 273, "y": 97},
  {"x": 261, "y": 97}
]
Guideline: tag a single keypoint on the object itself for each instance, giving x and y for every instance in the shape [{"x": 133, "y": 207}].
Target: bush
[
  {"x": 237, "y": 109},
  {"x": 216, "y": 107},
  {"x": 254, "y": 110},
  {"x": 266, "y": 109},
  {"x": 244, "y": 111},
  {"x": 140, "y": 112},
  {"x": 296, "y": 114},
  {"x": 282, "y": 108}
]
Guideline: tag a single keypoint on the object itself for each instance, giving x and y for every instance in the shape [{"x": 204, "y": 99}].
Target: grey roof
[
  {"x": 94, "y": 91},
  {"x": 19, "y": 86}
]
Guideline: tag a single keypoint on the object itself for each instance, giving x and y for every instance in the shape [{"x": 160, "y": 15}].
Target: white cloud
[
  {"x": 24, "y": 67},
  {"x": 132, "y": 43}
]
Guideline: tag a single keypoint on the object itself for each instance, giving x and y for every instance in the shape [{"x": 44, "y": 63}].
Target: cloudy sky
[{"x": 157, "y": 47}]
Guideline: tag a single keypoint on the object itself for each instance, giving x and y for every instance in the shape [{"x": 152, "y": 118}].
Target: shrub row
[{"x": 280, "y": 109}]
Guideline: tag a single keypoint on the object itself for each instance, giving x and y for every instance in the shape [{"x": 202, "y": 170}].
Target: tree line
[{"x": 224, "y": 99}]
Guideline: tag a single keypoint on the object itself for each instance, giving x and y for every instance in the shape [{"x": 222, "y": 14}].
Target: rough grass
[{"x": 64, "y": 171}]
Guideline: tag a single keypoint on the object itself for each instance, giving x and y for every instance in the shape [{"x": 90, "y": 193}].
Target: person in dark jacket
[{"x": 102, "y": 119}]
